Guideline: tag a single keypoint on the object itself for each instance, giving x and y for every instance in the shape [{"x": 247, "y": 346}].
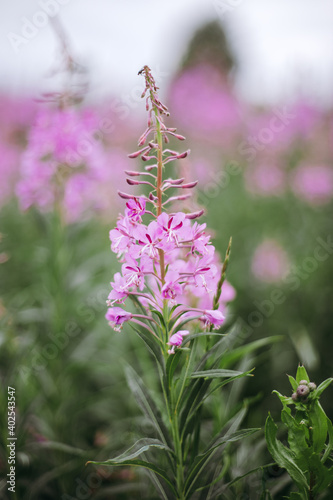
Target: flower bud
[
  {"x": 312, "y": 386},
  {"x": 303, "y": 390},
  {"x": 294, "y": 397},
  {"x": 303, "y": 382}
]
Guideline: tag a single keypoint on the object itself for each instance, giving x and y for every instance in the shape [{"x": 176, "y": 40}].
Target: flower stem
[{"x": 159, "y": 181}]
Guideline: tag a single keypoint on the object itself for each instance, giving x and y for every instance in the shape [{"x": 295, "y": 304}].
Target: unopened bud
[
  {"x": 125, "y": 196},
  {"x": 137, "y": 153},
  {"x": 194, "y": 215},
  {"x": 183, "y": 155},
  {"x": 312, "y": 386},
  {"x": 303, "y": 390},
  {"x": 294, "y": 397},
  {"x": 189, "y": 185},
  {"x": 303, "y": 382}
]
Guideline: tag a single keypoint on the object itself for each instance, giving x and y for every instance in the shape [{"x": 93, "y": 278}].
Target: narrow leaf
[
  {"x": 293, "y": 383},
  {"x": 139, "y": 447},
  {"x": 140, "y": 463},
  {"x": 301, "y": 374},
  {"x": 283, "y": 456},
  {"x": 218, "y": 373},
  {"x": 318, "y": 420},
  {"x": 320, "y": 389},
  {"x": 147, "y": 404},
  {"x": 329, "y": 446},
  {"x": 202, "y": 460}
]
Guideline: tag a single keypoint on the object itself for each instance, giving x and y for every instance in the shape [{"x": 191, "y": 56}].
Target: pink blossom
[
  {"x": 171, "y": 226},
  {"x": 203, "y": 103},
  {"x": 313, "y": 183},
  {"x": 171, "y": 289},
  {"x": 119, "y": 290},
  {"x": 265, "y": 179},
  {"x": 213, "y": 317},
  {"x": 176, "y": 340},
  {"x": 116, "y": 316},
  {"x": 135, "y": 208},
  {"x": 270, "y": 262}
]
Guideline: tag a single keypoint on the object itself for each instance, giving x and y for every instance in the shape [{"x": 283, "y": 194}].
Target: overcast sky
[{"x": 284, "y": 46}]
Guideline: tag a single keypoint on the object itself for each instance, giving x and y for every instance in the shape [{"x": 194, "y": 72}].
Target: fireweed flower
[
  {"x": 169, "y": 265},
  {"x": 176, "y": 340}
]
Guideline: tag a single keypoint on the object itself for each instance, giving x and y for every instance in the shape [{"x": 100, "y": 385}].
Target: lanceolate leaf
[
  {"x": 301, "y": 374},
  {"x": 188, "y": 338},
  {"x": 283, "y": 456},
  {"x": 320, "y": 389},
  {"x": 138, "y": 448},
  {"x": 329, "y": 446},
  {"x": 318, "y": 420},
  {"x": 147, "y": 404},
  {"x": 140, "y": 463},
  {"x": 151, "y": 343},
  {"x": 172, "y": 365},
  {"x": 239, "y": 353},
  {"x": 293, "y": 383},
  {"x": 218, "y": 373},
  {"x": 202, "y": 460}
]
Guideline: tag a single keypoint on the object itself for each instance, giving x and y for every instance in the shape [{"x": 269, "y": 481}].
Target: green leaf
[
  {"x": 283, "y": 456},
  {"x": 301, "y": 374},
  {"x": 218, "y": 373},
  {"x": 285, "y": 400},
  {"x": 147, "y": 404},
  {"x": 320, "y": 389},
  {"x": 293, "y": 383},
  {"x": 172, "y": 365},
  {"x": 188, "y": 338},
  {"x": 152, "y": 345},
  {"x": 318, "y": 421},
  {"x": 159, "y": 315},
  {"x": 202, "y": 460},
  {"x": 184, "y": 376},
  {"x": 139, "y": 463},
  {"x": 297, "y": 439},
  {"x": 329, "y": 446},
  {"x": 239, "y": 353},
  {"x": 295, "y": 495},
  {"x": 225, "y": 382},
  {"x": 140, "y": 447}
]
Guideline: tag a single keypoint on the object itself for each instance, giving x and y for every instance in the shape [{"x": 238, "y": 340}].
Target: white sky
[{"x": 284, "y": 46}]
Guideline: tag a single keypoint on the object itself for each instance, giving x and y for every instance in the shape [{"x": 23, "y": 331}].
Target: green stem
[{"x": 159, "y": 186}]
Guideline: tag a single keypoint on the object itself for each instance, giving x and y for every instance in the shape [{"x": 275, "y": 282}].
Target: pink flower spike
[
  {"x": 116, "y": 316},
  {"x": 213, "y": 317},
  {"x": 176, "y": 340}
]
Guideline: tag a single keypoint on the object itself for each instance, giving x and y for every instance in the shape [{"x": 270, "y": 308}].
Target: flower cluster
[
  {"x": 65, "y": 165},
  {"x": 169, "y": 265}
]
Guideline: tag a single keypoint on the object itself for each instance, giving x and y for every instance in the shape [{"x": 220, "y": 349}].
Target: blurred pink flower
[
  {"x": 203, "y": 102},
  {"x": 270, "y": 262},
  {"x": 265, "y": 179},
  {"x": 313, "y": 183},
  {"x": 66, "y": 163}
]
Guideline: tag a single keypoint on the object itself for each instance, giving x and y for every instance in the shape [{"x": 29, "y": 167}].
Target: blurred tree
[{"x": 210, "y": 45}]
